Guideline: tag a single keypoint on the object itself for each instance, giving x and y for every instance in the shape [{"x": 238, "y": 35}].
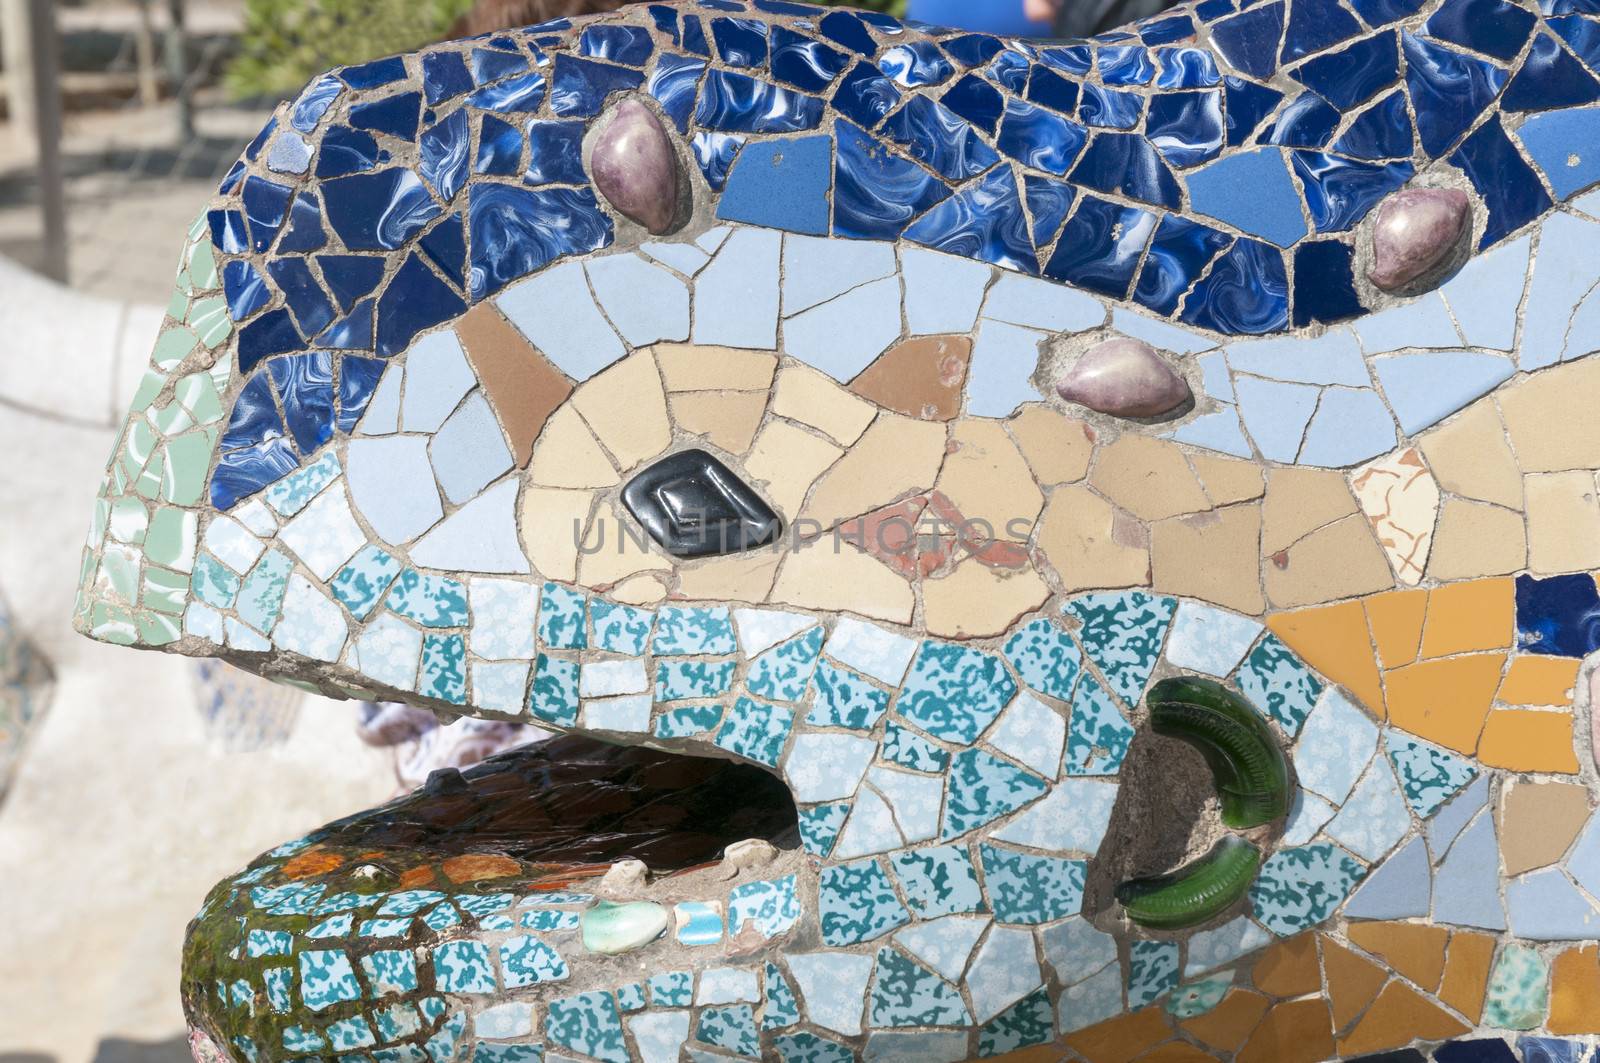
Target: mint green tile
[
  {"x": 202, "y": 266},
  {"x": 150, "y": 480},
  {"x": 129, "y": 520},
  {"x": 165, "y": 591},
  {"x": 137, "y": 447},
  {"x": 156, "y": 629},
  {"x": 149, "y": 387},
  {"x": 198, "y": 393},
  {"x": 171, "y": 537},
  {"x": 171, "y": 419},
  {"x": 209, "y": 319},
  {"x": 1519, "y": 990},
  {"x": 174, "y": 345},
  {"x": 119, "y": 567},
  {"x": 113, "y": 623},
  {"x": 178, "y": 302},
  {"x": 188, "y": 458},
  {"x": 98, "y": 523}
]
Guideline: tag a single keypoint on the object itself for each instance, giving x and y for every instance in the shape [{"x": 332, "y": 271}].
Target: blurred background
[{"x": 130, "y": 782}]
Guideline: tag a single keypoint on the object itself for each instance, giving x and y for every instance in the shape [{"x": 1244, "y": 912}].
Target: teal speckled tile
[
  {"x": 390, "y": 971},
  {"x": 981, "y": 788},
  {"x": 588, "y": 1024},
  {"x": 1152, "y": 971},
  {"x": 1045, "y": 657},
  {"x": 954, "y": 692},
  {"x": 1298, "y": 888},
  {"x": 771, "y": 907},
  {"x": 782, "y": 673},
  {"x": 561, "y": 618},
  {"x": 903, "y": 746},
  {"x": 620, "y": 628},
  {"x": 444, "y": 668},
  {"x": 938, "y": 881},
  {"x": 685, "y": 680},
  {"x": 1098, "y": 735},
  {"x": 326, "y": 978},
  {"x": 1122, "y": 633},
  {"x": 1027, "y": 1022},
  {"x": 432, "y": 601},
  {"x": 684, "y": 631},
  {"x": 1429, "y": 775},
  {"x": 781, "y": 1010},
  {"x": 362, "y": 583},
  {"x": 1029, "y": 889},
  {"x": 1280, "y": 686},
  {"x": 463, "y": 967},
  {"x": 553, "y": 695},
  {"x": 840, "y": 698},
  {"x": 756, "y": 731},
  {"x": 905, "y": 993},
  {"x": 1519, "y": 990},
  {"x": 820, "y": 824},
  {"x": 687, "y": 720},
  {"x": 526, "y": 960},
  {"x": 732, "y": 1028},
  {"x": 856, "y": 903}
]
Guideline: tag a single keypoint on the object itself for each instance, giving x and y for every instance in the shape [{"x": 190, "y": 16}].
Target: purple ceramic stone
[
  {"x": 1125, "y": 378},
  {"x": 1414, "y": 232},
  {"x": 634, "y": 167}
]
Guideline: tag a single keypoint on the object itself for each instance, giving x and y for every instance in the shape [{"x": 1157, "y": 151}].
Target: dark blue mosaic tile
[
  {"x": 916, "y": 64},
  {"x": 1315, "y": 27},
  {"x": 358, "y": 379},
  {"x": 1353, "y": 75},
  {"x": 1211, "y": 10},
  {"x": 628, "y": 45},
  {"x": 1186, "y": 127},
  {"x": 266, "y": 204},
  {"x": 253, "y": 149},
  {"x": 1491, "y": 27},
  {"x": 1307, "y": 122},
  {"x": 444, "y": 76},
  {"x": 1246, "y": 292},
  {"x": 350, "y": 277},
  {"x": 1076, "y": 59},
  {"x": 866, "y": 95},
  {"x": 1480, "y": 1050},
  {"x": 579, "y": 87},
  {"x": 977, "y": 101},
  {"x": 738, "y": 103},
  {"x": 1507, "y": 184},
  {"x": 1010, "y": 70},
  {"x": 972, "y": 50},
  {"x": 1554, "y": 1050},
  {"x": 271, "y": 333},
  {"x": 1581, "y": 35},
  {"x": 1186, "y": 68},
  {"x": 305, "y": 388},
  {"x": 354, "y": 331},
  {"x": 843, "y": 27},
  {"x": 1100, "y": 247},
  {"x": 515, "y": 95},
  {"x": 940, "y": 138},
  {"x": 1167, "y": 30},
  {"x": 244, "y": 288},
  {"x": 516, "y": 231},
  {"x": 666, "y": 20},
  {"x": 1047, "y": 88},
  {"x": 715, "y": 152},
  {"x": 254, "y": 417},
  {"x": 444, "y": 151},
  {"x": 673, "y": 84},
  {"x": 227, "y": 231},
  {"x": 1448, "y": 91},
  {"x": 877, "y": 194},
  {"x": 1109, "y": 108},
  {"x": 304, "y": 231},
  {"x": 241, "y": 473},
  {"x": 1558, "y": 616},
  {"x": 1179, "y": 252},
  {"x": 983, "y": 221},
  {"x": 383, "y": 210},
  {"x": 878, "y": 20},
  {"x": 694, "y": 36},
  {"x": 781, "y": 184},
  {"x": 1040, "y": 139},
  {"x": 1550, "y": 78},
  {"x": 1249, "y": 41},
  {"x": 307, "y": 301},
  {"x": 1247, "y": 105},
  {"x": 1379, "y": 13},
  {"x": 785, "y": 7},
  {"x": 415, "y": 299},
  {"x": 314, "y": 102},
  {"x": 499, "y": 148},
  {"x": 1125, "y": 163},
  {"x": 809, "y": 65},
  {"x": 395, "y": 115},
  {"x": 1324, "y": 283},
  {"x": 555, "y": 153},
  {"x": 1125, "y": 65},
  {"x": 740, "y": 41},
  {"x": 375, "y": 74},
  {"x": 1339, "y": 192},
  {"x": 1382, "y": 131},
  {"x": 446, "y": 247},
  {"x": 230, "y": 180},
  {"x": 345, "y": 151},
  {"x": 490, "y": 64},
  {"x": 1048, "y": 202},
  {"x": 1404, "y": 1055}
]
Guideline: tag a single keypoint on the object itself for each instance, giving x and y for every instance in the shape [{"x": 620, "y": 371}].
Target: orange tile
[
  {"x": 1036, "y": 1054},
  {"x": 1445, "y": 701},
  {"x": 1121, "y": 1039},
  {"x": 1293, "y": 1032},
  {"x": 1523, "y": 740},
  {"x": 1414, "y": 950},
  {"x": 1534, "y": 679},
  {"x": 1399, "y": 1016},
  {"x": 1575, "y": 991},
  {"x": 1226, "y": 1026},
  {"x": 1289, "y": 968},
  {"x": 1177, "y": 1052},
  {"x": 1396, "y": 618},
  {"x": 1334, "y": 640},
  {"x": 1353, "y": 981},
  {"x": 1466, "y": 972},
  {"x": 1472, "y": 617}
]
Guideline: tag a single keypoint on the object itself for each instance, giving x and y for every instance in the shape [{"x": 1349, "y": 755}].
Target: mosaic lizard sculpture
[{"x": 1030, "y": 544}]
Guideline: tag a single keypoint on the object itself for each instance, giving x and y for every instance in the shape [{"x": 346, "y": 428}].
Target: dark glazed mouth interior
[{"x": 577, "y": 800}]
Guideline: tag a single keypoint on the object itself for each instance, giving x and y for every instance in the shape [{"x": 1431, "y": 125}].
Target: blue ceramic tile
[
  {"x": 310, "y": 307},
  {"x": 1307, "y": 122},
  {"x": 1374, "y": 817},
  {"x": 866, "y": 95},
  {"x": 1186, "y": 127},
  {"x": 1450, "y": 819},
  {"x": 1048, "y": 203},
  {"x": 266, "y": 205},
  {"x": 1555, "y": 614},
  {"x": 1554, "y": 1050},
  {"x": 272, "y": 333},
  {"x": 972, "y": 49},
  {"x": 1280, "y": 686},
  {"x": 1167, "y": 30},
  {"x": 982, "y": 788},
  {"x": 1350, "y": 426},
  {"x": 1186, "y": 68},
  {"x": 938, "y": 881},
  {"x": 1249, "y": 41},
  {"x": 1315, "y": 27},
  {"x": 940, "y": 138},
  {"x": 1429, "y": 775},
  {"x": 444, "y": 75},
  {"x": 308, "y": 109},
  {"x": 1100, "y": 247},
  {"x": 694, "y": 36},
  {"x": 380, "y": 211},
  {"x": 1425, "y": 388},
  {"x": 983, "y": 221},
  {"x": 579, "y": 87},
  {"x": 588, "y": 1024},
  {"x": 916, "y": 64},
  {"x": 395, "y": 115},
  {"x": 1448, "y": 90},
  {"x": 856, "y": 903},
  {"x": 715, "y": 152},
  {"x": 1076, "y": 60},
  {"x": 1399, "y": 888},
  {"x": 1028, "y": 889},
  {"x": 740, "y": 41},
  {"x": 782, "y": 185},
  {"x": 755, "y": 730},
  {"x": 377, "y": 73},
  {"x": 1324, "y": 283},
  {"x": 244, "y": 288},
  {"x": 345, "y": 151},
  {"x": 1550, "y": 78},
  {"x": 1549, "y": 138},
  {"x": 905, "y": 993},
  {"x": 1382, "y": 131},
  {"x": 1252, "y": 191},
  {"x": 1039, "y": 138},
  {"x": 1340, "y": 192},
  {"x": 807, "y": 64},
  {"x": 1247, "y": 105},
  {"x": 954, "y": 692},
  {"x": 304, "y": 231},
  {"x": 876, "y": 194},
  {"x": 1355, "y": 74},
  {"x": 1298, "y": 888},
  {"x": 416, "y": 299},
  {"x": 1126, "y": 164},
  {"x": 1152, "y": 971},
  {"x": 1546, "y": 906},
  {"x": 629, "y": 45},
  {"x": 731, "y": 1028},
  {"x": 1246, "y": 292},
  {"x": 1122, "y": 633},
  {"x": 738, "y": 103},
  {"x": 516, "y": 95},
  {"x": 516, "y": 231},
  {"x": 1493, "y": 27},
  {"x": 305, "y": 389},
  {"x": 1466, "y": 888},
  {"x": 845, "y": 28},
  {"x": 673, "y": 84},
  {"x": 1125, "y": 65},
  {"x": 1179, "y": 252},
  {"x": 499, "y": 148},
  {"x": 1483, "y": 1050},
  {"x": 1050, "y": 90}
]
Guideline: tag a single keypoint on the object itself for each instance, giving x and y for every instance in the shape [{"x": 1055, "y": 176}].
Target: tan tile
[
  {"x": 1399, "y": 1016},
  {"x": 725, "y": 419},
  {"x": 1534, "y": 679},
  {"x": 919, "y": 377},
  {"x": 827, "y": 575},
  {"x": 1210, "y": 556},
  {"x": 1058, "y": 448},
  {"x": 1524, "y": 740},
  {"x": 744, "y": 577},
  {"x": 686, "y": 367},
  {"x": 551, "y": 523},
  {"x": 1288, "y": 968},
  {"x": 1538, "y": 821},
  {"x": 1396, "y": 619},
  {"x": 802, "y": 394},
  {"x": 897, "y": 456},
  {"x": 1575, "y": 992},
  {"x": 1563, "y": 522},
  {"x": 788, "y": 459},
  {"x": 1148, "y": 477},
  {"x": 1293, "y": 1032},
  {"x": 1414, "y": 950},
  {"x": 1476, "y": 539},
  {"x": 1177, "y": 1052},
  {"x": 975, "y": 601},
  {"x": 1352, "y": 981},
  {"x": 1333, "y": 639},
  {"x": 627, "y": 409},
  {"x": 1466, "y": 972},
  {"x": 986, "y": 478},
  {"x": 1475, "y": 616},
  {"x": 1228, "y": 480},
  {"x": 1445, "y": 701},
  {"x": 640, "y": 590},
  {"x": 567, "y": 455},
  {"x": 522, "y": 385},
  {"x": 1562, "y": 396},
  {"x": 1469, "y": 456},
  {"x": 1080, "y": 538},
  {"x": 1299, "y": 501},
  {"x": 1340, "y": 560},
  {"x": 1123, "y": 1038},
  {"x": 1226, "y": 1026},
  {"x": 1401, "y": 502},
  {"x": 615, "y": 548}
]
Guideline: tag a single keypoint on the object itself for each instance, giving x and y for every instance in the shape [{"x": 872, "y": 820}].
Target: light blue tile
[
  {"x": 626, "y": 714},
  {"x": 683, "y": 631},
  {"x": 1332, "y": 358},
  {"x": 843, "y": 336},
  {"x": 769, "y": 907},
  {"x": 555, "y": 311},
  {"x": 645, "y": 303},
  {"x": 1335, "y": 744},
  {"x": 1091, "y": 1001},
  {"x": 871, "y": 650},
  {"x": 1033, "y": 733},
  {"x": 1152, "y": 971},
  {"x": 1122, "y": 633},
  {"x": 392, "y": 486},
  {"x": 904, "y": 993},
  {"x": 1098, "y": 735},
  {"x": 1045, "y": 657},
  {"x": 1486, "y": 293},
  {"x": 659, "y": 1035},
  {"x": 1161, "y": 335},
  {"x": 943, "y": 292},
  {"x": 1583, "y": 335},
  {"x": 870, "y": 828},
  {"x": 914, "y": 797},
  {"x": 834, "y": 985},
  {"x": 311, "y": 625},
  {"x": 1005, "y": 970},
  {"x": 1040, "y": 304},
  {"x": 1546, "y": 906},
  {"x": 620, "y": 628},
  {"x": 938, "y": 881},
  {"x": 1584, "y": 863},
  {"x": 1073, "y": 817},
  {"x": 1219, "y": 431},
  {"x": 945, "y": 944},
  {"x": 1424, "y": 389},
  {"x": 1423, "y": 322},
  {"x": 1209, "y": 640},
  {"x": 1030, "y": 889},
  {"x": 1467, "y": 886},
  {"x": 1374, "y": 818},
  {"x": 687, "y": 259},
  {"x": 815, "y": 269},
  {"x": 469, "y": 450},
  {"x": 1276, "y": 415},
  {"x": 1563, "y": 272},
  {"x": 1349, "y": 427},
  {"x": 933, "y": 1046},
  {"x": 1455, "y": 814},
  {"x": 982, "y": 788},
  {"x": 1214, "y": 377},
  {"x": 1429, "y": 775},
  {"x": 1562, "y": 143},
  {"x": 1399, "y": 888},
  {"x": 755, "y": 730},
  {"x": 1212, "y": 948},
  {"x": 736, "y": 296},
  {"x": 999, "y": 376},
  {"x": 1252, "y": 191},
  {"x": 1076, "y": 949},
  {"x": 437, "y": 377},
  {"x": 856, "y": 903}
]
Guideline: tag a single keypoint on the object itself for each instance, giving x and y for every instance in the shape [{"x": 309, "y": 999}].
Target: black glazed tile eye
[{"x": 694, "y": 506}]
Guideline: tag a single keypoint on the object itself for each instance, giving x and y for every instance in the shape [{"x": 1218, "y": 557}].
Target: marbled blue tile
[
  {"x": 673, "y": 84},
  {"x": 1448, "y": 90},
  {"x": 809, "y": 65},
  {"x": 876, "y": 194},
  {"x": 738, "y": 103},
  {"x": 1039, "y": 138},
  {"x": 1100, "y": 247},
  {"x": 983, "y": 221},
  {"x": 940, "y": 138}
]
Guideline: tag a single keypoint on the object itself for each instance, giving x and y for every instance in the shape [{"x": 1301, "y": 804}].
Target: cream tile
[
  {"x": 1563, "y": 521},
  {"x": 1476, "y": 539},
  {"x": 823, "y": 576},
  {"x": 687, "y": 367},
  {"x": 976, "y": 601},
  {"x": 788, "y": 460},
  {"x": 627, "y": 409},
  {"x": 725, "y": 419},
  {"x": 802, "y": 394},
  {"x": 1469, "y": 457},
  {"x": 1228, "y": 480},
  {"x": 987, "y": 479},
  {"x": 1212, "y": 556},
  {"x": 1148, "y": 477},
  {"x": 567, "y": 455},
  {"x": 1058, "y": 448},
  {"x": 1088, "y": 545},
  {"x": 1299, "y": 501},
  {"x": 1340, "y": 560},
  {"x": 1550, "y": 418},
  {"x": 641, "y": 590},
  {"x": 551, "y": 522},
  {"x": 744, "y": 577},
  {"x": 895, "y": 457}
]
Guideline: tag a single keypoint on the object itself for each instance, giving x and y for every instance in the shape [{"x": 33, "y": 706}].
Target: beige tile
[
  {"x": 896, "y": 456},
  {"x": 829, "y": 576},
  {"x": 1083, "y": 540},
  {"x": 1058, "y": 448},
  {"x": 627, "y": 409},
  {"x": 1563, "y": 522},
  {"x": 1150, "y": 478},
  {"x": 640, "y": 590},
  {"x": 802, "y": 394},
  {"x": 1476, "y": 539},
  {"x": 987, "y": 479},
  {"x": 743, "y": 577},
  {"x": 1538, "y": 822},
  {"x": 522, "y": 385},
  {"x": 1469, "y": 456},
  {"x": 1401, "y": 502},
  {"x": 976, "y": 601},
  {"x": 1228, "y": 480},
  {"x": 1340, "y": 560},
  {"x": 1212, "y": 556},
  {"x": 567, "y": 454},
  {"x": 686, "y": 367},
  {"x": 614, "y": 548},
  {"x": 1299, "y": 501},
  {"x": 1562, "y": 396},
  {"x": 725, "y": 419},
  {"x": 788, "y": 459},
  {"x": 550, "y": 528}
]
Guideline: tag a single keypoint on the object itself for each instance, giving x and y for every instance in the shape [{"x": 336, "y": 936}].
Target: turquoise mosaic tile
[
  {"x": 279, "y": 982},
  {"x": 1076, "y": 949},
  {"x": 1122, "y": 634},
  {"x": 771, "y": 907},
  {"x": 1519, "y": 990},
  {"x": 1029, "y": 889},
  {"x": 782, "y": 673},
  {"x": 268, "y": 943},
  {"x": 390, "y": 971},
  {"x": 843, "y": 699},
  {"x": 213, "y": 583},
  {"x": 904, "y": 993},
  {"x": 954, "y": 692},
  {"x": 731, "y": 1028},
  {"x": 903, "y": 746},
  {"x": 1278, "y": 684},
  {"x": 479, "y": 905},
  {"x": 361, "y": 584},
  {"x": 444, "y": 668},
  {"x": 699, "y": 923},
  {"x": 809, "y": 1048},
  {"x": 1152, "y": 971},
  {"x": 561, "y": 618},
  {"x": 1198, "y": 998},
  {"x": 1046, "y": 659},
  {"x": 442, "y": 918},
  {"x": 687, "y": 720},
  {"x": 397, "y": 1021},
  {"x": 292, "y": 493},
  {"x": 588, "y": 1024},
  {"x": 1298, "y": 888},
  {"x": 485, "y": 1052},
  {"x": 756, "y": 731},
  {"x": 432, "y": 601},
  {"x": 547, "y": 920},
  {"x": 631, "y": 997},
  {"x": 675, "y": 989},
  {"x": 856, "y": 903},
  {"x": 526, "y": 960},
  {"x": 620, "y": 628},
  {"x": 782, "y": 1010},
  {"x": 261, "y": 593},
  {"x": 553, "y": 696},
  {"x": 687, "y": 680},
  {"x": 1027, "y": 1022},
  {"x": 349, "y": 1034},
  {"x": 333, "y": 927},
  {"x": 299, "y": 1039},
  {"x": 686, "y": 631},
  {"x": 1429, "y": 775},
  {"x": 820, "y": 825},
  {"x": 938, "y": 881},
  {"x": 981, "y": 788},
  {"x": 463, "y": 967},
  {"x": 326, "y": 978}
]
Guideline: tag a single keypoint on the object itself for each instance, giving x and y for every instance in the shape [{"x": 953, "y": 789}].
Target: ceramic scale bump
[{"x": 1065, "y": 548}]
